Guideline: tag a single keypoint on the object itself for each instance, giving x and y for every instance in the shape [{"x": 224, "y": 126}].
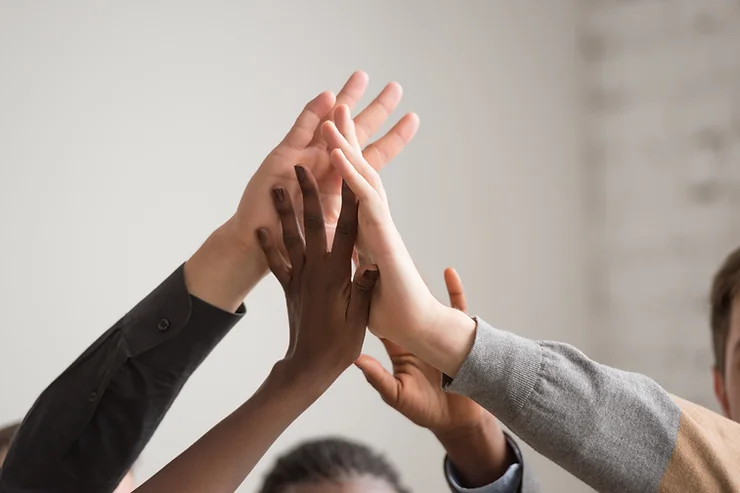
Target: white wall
[
  {"x": 128, "y": 132},
  {"x": 663, "y": 110}
]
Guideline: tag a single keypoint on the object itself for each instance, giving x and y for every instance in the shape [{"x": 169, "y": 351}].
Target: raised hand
[
  {"x": 305, "y": 145},
  {"x": 404, "y": 311},
  {"x": 230, "y": 263},
  {"x": 328, "y": 312},
  {"x": 474, "y": 441},
  {"x": 414, "y": 389},
  {"x": 328, "y": 316}
]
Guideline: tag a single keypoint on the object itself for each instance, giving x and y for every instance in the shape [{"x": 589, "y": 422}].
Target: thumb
[
  {"x": 379, "y": 378},
  {"x": 358, "y": 312}
]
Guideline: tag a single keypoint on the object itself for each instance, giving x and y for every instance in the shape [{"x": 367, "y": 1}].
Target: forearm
[
  {"x": 614, "y": 430},
  {"x": 480, "y": 454},
  {"x": 224, "y": 270},
  {"x": 221, "y": 460},
  {"x": 88, "y": 427}
]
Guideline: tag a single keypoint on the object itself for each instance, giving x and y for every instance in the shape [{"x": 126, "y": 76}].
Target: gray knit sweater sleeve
[{"x": 612, "y": 429}]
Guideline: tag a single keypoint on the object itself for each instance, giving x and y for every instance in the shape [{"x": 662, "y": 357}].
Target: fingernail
[
  {"x": 300, "y": 172},
  {"x": 278, "y": 194},
  {"x": 371, "y": 274}
]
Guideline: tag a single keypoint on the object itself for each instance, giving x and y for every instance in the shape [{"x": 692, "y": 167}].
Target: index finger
[
  {"x": 455, "y": 290},
  {"x": 309, "y": 121}
]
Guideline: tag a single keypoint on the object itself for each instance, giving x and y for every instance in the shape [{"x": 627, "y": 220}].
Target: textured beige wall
[{"x": 663, "y": 172}]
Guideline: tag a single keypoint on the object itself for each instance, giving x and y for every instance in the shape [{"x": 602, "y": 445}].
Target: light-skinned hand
[
  {"x": 404, "y": 310},
  {"x": 231, "y": 263}
]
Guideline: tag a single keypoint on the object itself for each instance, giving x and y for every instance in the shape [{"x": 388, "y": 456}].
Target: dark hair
[
  {"x": 725, "y": 287},
  {"x": 330, "y": 459},
  {"x": 6, "y": 435}
]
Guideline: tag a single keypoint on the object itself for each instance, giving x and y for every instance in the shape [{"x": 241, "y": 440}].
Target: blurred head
[
  {"x": 8, "y": 432},
  {"x": 6, "y": 435},
  {"x": 725, "y": 323},
  {"x": 332, "y": 466}
]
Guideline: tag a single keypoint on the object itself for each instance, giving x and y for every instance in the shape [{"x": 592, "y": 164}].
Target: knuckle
[
  {"x": 346, "y": 228},
  {"x": 285, "y": 210},
  {"x": 313, "y": 222}
]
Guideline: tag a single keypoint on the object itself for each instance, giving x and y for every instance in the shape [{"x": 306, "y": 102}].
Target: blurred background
[{"x": 577, "y": 162}]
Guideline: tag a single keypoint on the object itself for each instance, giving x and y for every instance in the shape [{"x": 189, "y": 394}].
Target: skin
[
  {"x": 404, "y": 310},
  {"x": 727, "y": 382},
  {"x": 231, "y": 263},
  {"x": 328, "y": 314},
  {"x": 127, "y": 485},
  {"x": 472, "y": 437}
]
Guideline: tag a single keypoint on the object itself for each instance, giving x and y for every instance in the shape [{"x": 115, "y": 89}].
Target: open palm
[
  {"x": 304, "y": 145},
  {"x": 414, "y": 389}
]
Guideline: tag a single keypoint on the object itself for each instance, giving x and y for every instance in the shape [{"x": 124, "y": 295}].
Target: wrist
[
  {"x": 306, "y": 385},
  {"x": 446, "y": 342},
  {"x": 479, "y": 451},
  {"x": 225, "y": 269},
  {"x": 462, "y": 433}
]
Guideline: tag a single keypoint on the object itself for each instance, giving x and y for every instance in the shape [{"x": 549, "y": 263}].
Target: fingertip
[
  {"x": 323, "y": 103},
  {"x": 452, "y": 279},
  {"x": 361, "y": 364},
  {"x": 361, "y": 74},
  {"x": 413, "y": 123},
  {"x": 326, "y": 96},
  {"x": 337, "y": 154},
  {"x": 300, "y": 173},
  {"x": 328, "y": 128},
  {"x": 371, "y": 274},
  {"x": 343, "y": 113},
  {"x": 407, "y": 127},
  {"x": 395, "y": 87}
]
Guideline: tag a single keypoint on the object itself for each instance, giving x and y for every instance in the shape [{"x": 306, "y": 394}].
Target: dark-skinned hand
[{"x": 328, "y": 311}]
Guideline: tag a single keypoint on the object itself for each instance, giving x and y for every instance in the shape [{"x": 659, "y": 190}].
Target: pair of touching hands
[
  {"x": 332, "y": 205},
  {"x": 315, "y": 200}
]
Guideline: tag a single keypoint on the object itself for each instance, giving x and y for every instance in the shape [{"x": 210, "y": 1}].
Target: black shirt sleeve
[{"x": 89, "y": 426}]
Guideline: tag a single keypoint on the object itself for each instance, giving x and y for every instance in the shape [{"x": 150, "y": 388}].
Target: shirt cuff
[
  {"x": 509, "y": 482},
  {"x": 167, "y": 311}
]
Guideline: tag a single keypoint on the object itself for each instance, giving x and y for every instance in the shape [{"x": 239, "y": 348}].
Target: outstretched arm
[
  {"x": 328, "y": 314},
  {"x": 88, "y": 427},
  {"x": 616, "y": 431},
  {"x": 479, "y": 454}
]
